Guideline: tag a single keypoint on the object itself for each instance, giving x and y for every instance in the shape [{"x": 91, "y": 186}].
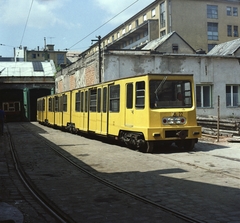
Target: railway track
[
  {"x": 45, "y": 202},
  {"x": 56, "y": 211}
]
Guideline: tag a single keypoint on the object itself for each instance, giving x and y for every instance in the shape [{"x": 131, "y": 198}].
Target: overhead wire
[
  {"x": 24, "y": 30},
  {"x": 102, "y": 25}
]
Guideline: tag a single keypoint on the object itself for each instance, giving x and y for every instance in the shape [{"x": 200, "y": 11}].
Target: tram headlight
[{"x": 174, "y": 120}]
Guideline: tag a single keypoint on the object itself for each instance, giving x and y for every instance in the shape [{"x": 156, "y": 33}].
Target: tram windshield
[{"x": 170, "y": 94}]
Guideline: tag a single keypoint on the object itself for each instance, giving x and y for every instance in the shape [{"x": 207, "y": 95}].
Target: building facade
[
  {"x": 203, "y": 24},
  {"x": 47, "y": 54}
]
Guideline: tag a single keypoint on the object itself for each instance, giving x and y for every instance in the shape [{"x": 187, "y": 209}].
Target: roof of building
[
  {"x": 226, "y": 49},
  {"x": 27, "y": 69},
  {"x": 154, "y": 44}
]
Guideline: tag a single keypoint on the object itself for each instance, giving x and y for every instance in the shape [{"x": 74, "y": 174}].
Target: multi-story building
[
  {"x": 48, "y": 53},
  {"x": 203, "y": 24}
]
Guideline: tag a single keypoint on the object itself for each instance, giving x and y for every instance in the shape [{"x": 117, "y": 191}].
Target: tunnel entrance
[{"x": 21, "y": 104}]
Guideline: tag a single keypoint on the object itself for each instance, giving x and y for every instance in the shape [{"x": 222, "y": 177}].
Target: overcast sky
[{"x": 63, "y": 22}]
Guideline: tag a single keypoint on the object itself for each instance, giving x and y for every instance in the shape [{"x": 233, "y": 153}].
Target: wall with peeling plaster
[{"x": 209, "y": 70}]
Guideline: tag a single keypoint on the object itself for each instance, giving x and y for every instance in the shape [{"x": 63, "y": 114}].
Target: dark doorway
[{"x": 34, "y": 94}]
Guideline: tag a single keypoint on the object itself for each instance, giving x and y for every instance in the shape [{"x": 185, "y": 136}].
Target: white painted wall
[{"x": 215, "y": 71}]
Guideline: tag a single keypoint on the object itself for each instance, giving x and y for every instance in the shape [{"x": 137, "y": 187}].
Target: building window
[
  {"x": 229, "y": 30},
  {"x": 118, "y": 35},
  {"x": 212, "y": 11},
  {"x": 212, "y": 31},
  {"x": 162, "y": 15},
  {"x": 229, "y": 11},
  {"x": 175, "y": 48},
  {"x": 129, "y": 27},
  {"x": 163, "y": 33},
  {"x": 145, "y": 33},
  {"x": 60, "y": 58},
  {"x": 34, "y": 56},
  {"x": 137, "y": 23},
  {"x": 144, "y": 17},
  {"x": 203, "y": 95},
  {"x": 123, "y": 31},
  {"x": 153, "y": 13},
  {"x": 232, "y": 95},
  {"x": 235, "y": 31},
  {"x": 112, "y": 38},
  {"x": 235, "y": 11}
]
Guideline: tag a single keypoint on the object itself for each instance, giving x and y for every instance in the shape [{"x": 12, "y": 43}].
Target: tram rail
[{"x": 57, "y": 212}]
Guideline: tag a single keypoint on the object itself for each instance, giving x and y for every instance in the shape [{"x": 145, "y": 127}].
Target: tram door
[
  {"x": 129, "y": 111},
  {"x": 97, "y": 110}
]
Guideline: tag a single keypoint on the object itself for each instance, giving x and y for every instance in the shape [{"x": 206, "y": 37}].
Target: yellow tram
[{"x": 141, "y": 111}]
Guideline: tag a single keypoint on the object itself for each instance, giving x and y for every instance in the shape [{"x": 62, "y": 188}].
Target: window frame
[
  {"x": 203, "y": 96},
  {"x": 64, "y": 103},
  {"x": 140, "y": 94},
  {"x": 129, "y": 95},
  {"x": 229, "y": 30},
  {"x": 235, "y": 11},
  {"x": 212, "y": 11},
  {"x": 114, "y": 98},
  {"x": 234, "y": 99},
  {"x": 211, "y": 32},
  {"x": 235, "y": 31},
  {"x": 78, "y": 101}
]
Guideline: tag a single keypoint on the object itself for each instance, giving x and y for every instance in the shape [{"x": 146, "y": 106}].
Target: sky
[{"x": 68, "y": 24}]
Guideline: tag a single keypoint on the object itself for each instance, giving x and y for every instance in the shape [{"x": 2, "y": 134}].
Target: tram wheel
[
  {"x": 148, "y": 148},
  {"x": 189, "y": 144}
]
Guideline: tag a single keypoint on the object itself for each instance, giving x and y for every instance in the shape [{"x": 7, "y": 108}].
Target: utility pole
[{"x": 99, "y": 58}]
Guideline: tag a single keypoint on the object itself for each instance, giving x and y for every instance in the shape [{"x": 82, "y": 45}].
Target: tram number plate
[{"x": 177, "y": 114}]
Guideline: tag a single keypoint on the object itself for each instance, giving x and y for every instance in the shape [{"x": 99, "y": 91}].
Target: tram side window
[
  {"x": 56, "y": 104},
  {"x": 43, "y": 105},
  {"x": 81, "y": 99},
  {"x": 104, "y": 99},
  {"x": 86, "y": 101},
  {"x": 64, "y": 98},
  {"x": 60, "y": 103},
  {"x": 140, "y": 94},
  {"x": 114, "y": 98},
  {"x": 99, "y": 97},
  {"x": 93, "y": 100},
  {"x": 50, "y": 104},
  {"x": 129, "y": 95},
  {"x": 77, "y": 102}
]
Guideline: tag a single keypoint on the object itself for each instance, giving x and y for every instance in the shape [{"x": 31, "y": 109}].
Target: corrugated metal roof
[
  {"x": 26, "y": 69},
  {"x": 154, "y": 44},
  {"x": 225, "y": 49}
]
